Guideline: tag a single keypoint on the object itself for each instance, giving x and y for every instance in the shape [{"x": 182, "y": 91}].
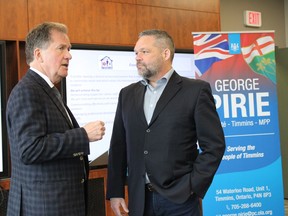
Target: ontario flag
[
  {"x": 208, "y": 49},
  {"x": 259, "y": 54}
]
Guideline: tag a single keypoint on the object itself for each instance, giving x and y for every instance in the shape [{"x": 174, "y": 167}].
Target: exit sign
[{"x": 252, "y": 18}]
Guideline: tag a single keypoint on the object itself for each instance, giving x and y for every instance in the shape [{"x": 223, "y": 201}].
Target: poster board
[
  {"x": 96, "y": 76},
  {"x": 241, "y": 69}
]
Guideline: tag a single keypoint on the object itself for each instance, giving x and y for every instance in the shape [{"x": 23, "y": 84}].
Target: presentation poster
[
  {"x": 241, "y": 68},
  {"x": 95, "y": 80}
]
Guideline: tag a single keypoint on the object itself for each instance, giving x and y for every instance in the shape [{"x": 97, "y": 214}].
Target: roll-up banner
[{"x": 241, "y": 69}]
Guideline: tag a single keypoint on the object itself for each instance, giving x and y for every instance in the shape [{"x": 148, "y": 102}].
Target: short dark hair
[
  {"x": 40, "y": 37},
  {"x": 163, "y": 39}
]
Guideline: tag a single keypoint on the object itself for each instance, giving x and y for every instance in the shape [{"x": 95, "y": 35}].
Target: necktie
[{"x": 59, "y": 97}]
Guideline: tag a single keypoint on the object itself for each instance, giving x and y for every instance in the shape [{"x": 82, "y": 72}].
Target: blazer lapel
[
  {"x": 172, "y": 87},
  {"x": 74, "y": 121},
  {"x": 140, "y": 92},
  {"x": 50, "y": 93},
  {"x": 60, "y": 106}
]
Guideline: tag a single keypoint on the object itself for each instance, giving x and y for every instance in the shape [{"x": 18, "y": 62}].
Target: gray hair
[
  {"x": 163, "y": 39},
  {"x": 40, "y": 37}
]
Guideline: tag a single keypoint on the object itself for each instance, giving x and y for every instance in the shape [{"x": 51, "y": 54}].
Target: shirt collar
[
  {"x": 43, "y": 76},
  {"x": 166, "y": 78}
]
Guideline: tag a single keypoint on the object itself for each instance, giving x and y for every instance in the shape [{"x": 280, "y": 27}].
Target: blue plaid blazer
[{"x": 48, "y": 153}]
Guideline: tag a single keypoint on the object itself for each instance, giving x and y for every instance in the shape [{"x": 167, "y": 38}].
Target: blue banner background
[{"x": 249, "y": 179}]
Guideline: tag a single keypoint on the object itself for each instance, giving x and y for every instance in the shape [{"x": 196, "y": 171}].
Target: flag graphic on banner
[
  {"x": 260, "y": 57},
  {"x": 208, "y": 49}
]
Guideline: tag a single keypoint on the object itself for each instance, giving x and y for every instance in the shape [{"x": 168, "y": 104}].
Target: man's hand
[
  {"x": 118, "y": 206},
  {"x": 95, "y": 130}
]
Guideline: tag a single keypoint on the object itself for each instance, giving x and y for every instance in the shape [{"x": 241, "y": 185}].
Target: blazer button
[
  {"x": 148, "y": 130},
  {"x": 81, "y": 158},
  {"x": 146, "y": 152},
  {"x": 82, "y": 180}
]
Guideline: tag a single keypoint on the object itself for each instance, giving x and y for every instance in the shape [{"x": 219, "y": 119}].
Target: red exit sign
[{"x": 252, "y": 18}]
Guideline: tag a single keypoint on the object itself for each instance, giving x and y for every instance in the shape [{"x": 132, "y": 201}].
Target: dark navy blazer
[{"x": 166, "y": 148}]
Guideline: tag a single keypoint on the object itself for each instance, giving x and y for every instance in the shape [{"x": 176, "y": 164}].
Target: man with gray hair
[{"x": 48, "y": 148}]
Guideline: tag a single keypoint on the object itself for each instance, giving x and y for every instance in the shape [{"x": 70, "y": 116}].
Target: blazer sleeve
[
  {"x": 117, "y": 166},
  {"x": 38, "y": 128},
  {"x": 210, "y": 139}
]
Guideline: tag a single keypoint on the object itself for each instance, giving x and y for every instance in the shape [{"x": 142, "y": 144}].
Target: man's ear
[
  {"x": 166, "y": 54},
  {"x": 38, "y": 55}
]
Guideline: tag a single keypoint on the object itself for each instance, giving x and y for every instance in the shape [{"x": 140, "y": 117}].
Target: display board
[
  {"x": 241, "y": 69},
  {"x": 95, "y": 78}
]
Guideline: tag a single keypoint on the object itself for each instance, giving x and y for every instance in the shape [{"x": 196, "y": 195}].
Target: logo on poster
[
  {"x": 235, "y": 47},
  {"x": 106, "y": 63}
]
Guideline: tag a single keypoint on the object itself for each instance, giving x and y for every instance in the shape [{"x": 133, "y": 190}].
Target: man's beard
[{"x": 145, "y": 72}]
